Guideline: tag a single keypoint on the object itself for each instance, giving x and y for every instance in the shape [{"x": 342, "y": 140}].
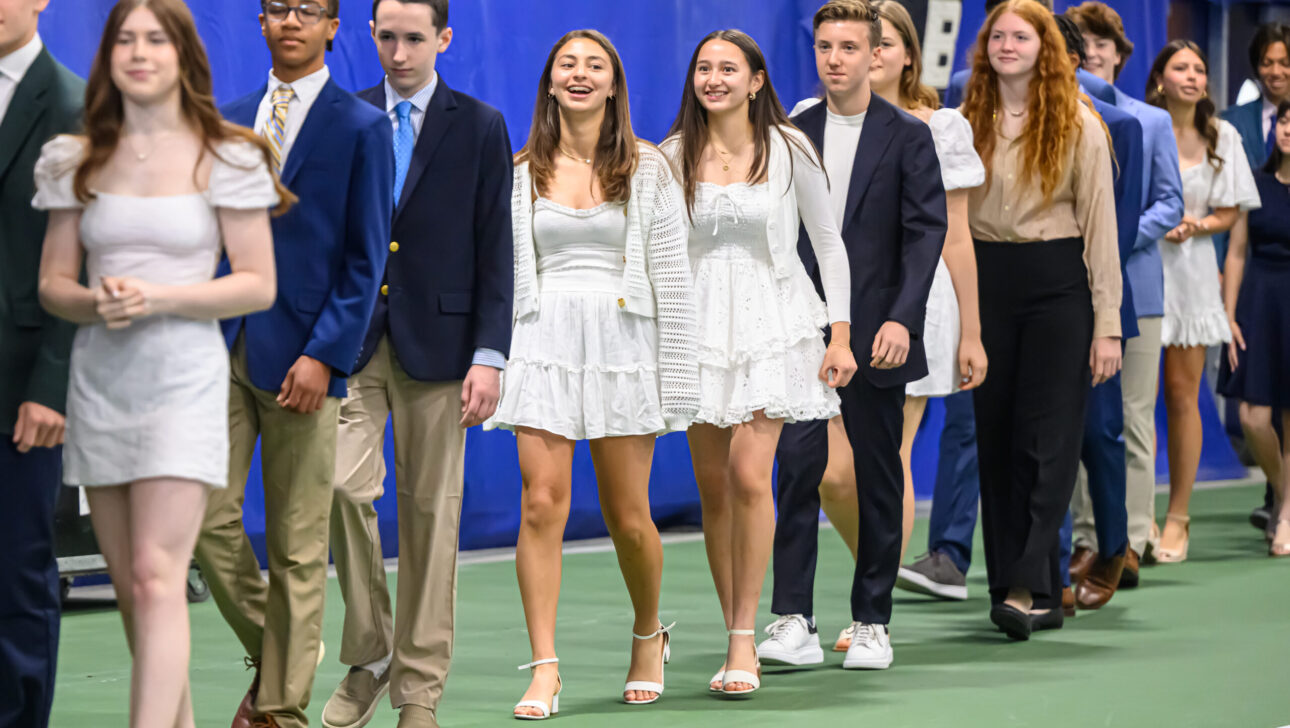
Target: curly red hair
[{"x": 1053, "y": 123}]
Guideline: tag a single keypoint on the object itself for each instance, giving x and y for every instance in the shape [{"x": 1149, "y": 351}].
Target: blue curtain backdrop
[{"x": 497, "y": 52}]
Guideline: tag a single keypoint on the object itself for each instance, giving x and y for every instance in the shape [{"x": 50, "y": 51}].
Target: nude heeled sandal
[
  {"x": 730, "y": 677},
  {"x": 645, "y": 685},
  {"x": 547, "y": 710},
  {"x": 1280, "y": 547},
  {"x": 1175, "y": 556}
]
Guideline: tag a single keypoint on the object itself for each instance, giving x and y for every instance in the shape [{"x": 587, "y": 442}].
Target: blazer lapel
[
  {"x": 434, "y": 127},
  {"x": 811, "y": 123},
  {"x": 314, "y": 128},
  {"x": 25, "y": 108},
  {"x": 242, "y": 111},
  {"x": 875, "y": 138}
]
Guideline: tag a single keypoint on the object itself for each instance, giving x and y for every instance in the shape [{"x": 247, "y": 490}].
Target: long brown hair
[
  {"x": 1053, "y": 124},
  {"x": 105, "y": 111},
  {"x": 913, "y": 92},
  {"x": 1204, "y": 119},
  {"x": 764, "y": 112},
  {"x": 617, "y": 152}
]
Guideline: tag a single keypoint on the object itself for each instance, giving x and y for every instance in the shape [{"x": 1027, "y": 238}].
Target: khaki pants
[
  {"x": 429, "y": 458},
  {"x": 1139, "y": 381},
  {"x": 278, "y": 623}
]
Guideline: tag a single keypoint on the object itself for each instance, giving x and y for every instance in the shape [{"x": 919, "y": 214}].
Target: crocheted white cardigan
[{"x": 656, "y": 278}]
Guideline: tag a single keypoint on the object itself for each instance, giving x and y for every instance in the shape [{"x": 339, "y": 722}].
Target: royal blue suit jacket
[
  {"x": 893, "y": 227},
  {"x": 452, "y": 280},
  {"x": 1126, "y": 144},
  {"x": 1248, "y": 120},
  {"x": 1094, "y": 86},
  {"x": 1162, "y": 203},
  {"x": 330, "y": 249}
]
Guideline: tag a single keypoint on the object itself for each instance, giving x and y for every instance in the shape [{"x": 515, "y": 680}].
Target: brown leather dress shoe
[
  {"x": 1082, "y": 559},
  {"x": 1100, "y": 584},
  {"x": 264, "y": 721},
  {"x": 244, "y": 718},
  {"x": 1068, "y": 602},
  {"x": 1129, "y": 579}
]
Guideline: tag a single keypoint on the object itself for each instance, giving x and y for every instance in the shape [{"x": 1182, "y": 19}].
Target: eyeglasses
[{"x": 307, "y": 13}]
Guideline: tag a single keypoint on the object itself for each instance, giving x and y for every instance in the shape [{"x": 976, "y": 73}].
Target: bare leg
[
  {"x": 622, "y": 474},
  {"x": 546, "y": 463},
  {"x": 165, "y": 517},
  {"x": 1183, "y": 369},
  {"x": 1265, "y": 446},
  {"x": 710, "y": 456},
  {"x": 838, "y": 488},
  {"x": 914, "y": 407},
  {"x": 752, "y": 456}
]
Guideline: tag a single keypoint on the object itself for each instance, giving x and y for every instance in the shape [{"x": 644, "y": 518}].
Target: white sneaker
[
  {"x": 793, "y": 641},
  {"x": 870, "y": 648}
]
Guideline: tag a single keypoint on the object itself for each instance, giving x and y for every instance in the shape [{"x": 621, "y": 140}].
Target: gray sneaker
[
  {"x": 355, "y": 699},
  {"x": 933, "y": 574}
]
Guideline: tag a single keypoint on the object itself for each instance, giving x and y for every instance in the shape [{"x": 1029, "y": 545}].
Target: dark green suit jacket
[{"x": 34, "y": 346}]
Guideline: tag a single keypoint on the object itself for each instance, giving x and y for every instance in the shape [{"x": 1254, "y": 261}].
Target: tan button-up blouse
[{"x": 1012, "y": 209}]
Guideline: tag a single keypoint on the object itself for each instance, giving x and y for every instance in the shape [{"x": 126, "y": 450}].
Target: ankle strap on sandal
[
  {"x": 535, "y": 663},
  {"x": 661, "y": 630},
  {"x": 742, "y": 632}
]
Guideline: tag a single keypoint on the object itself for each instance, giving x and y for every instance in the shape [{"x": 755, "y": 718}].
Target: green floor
[{"x": 1202, "y": 643}]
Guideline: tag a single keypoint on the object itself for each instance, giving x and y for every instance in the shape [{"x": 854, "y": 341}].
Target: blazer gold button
[
  {"x": 622, "y": 303},
  {"x": 385, "y": 290},
  {"x": 624, "y": 259},
  {"x": 394, "y": 247}
]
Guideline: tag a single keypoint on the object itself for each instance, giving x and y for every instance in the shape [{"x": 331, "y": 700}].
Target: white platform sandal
[
  {"x": 730, "y": 677},
  {"x": 547, "y": 710},
  {"x": 644, "y": 685}
]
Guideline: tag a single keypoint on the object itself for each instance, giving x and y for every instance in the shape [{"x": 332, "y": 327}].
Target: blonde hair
[{"x": 858, "y": 11}]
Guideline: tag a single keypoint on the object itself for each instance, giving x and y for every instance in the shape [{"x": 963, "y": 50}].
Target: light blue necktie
[{"x": 404, "y": 140}]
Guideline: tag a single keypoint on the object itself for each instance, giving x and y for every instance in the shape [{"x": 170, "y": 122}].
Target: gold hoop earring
[
  {"x": 1160, "y": 89},
  {"x": 752, "y": 96}
]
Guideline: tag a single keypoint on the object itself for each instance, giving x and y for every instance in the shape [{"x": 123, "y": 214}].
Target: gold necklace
[
  {"x": 572, "y": 156},
  {"x": 1011, "y": 112},
  {"x": 725, "y": 158}
]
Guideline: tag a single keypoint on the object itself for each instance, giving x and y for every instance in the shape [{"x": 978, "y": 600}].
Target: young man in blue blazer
[
  {"x": 435, "y": 347},
  {"x": 39, "y": 99},
  {"x": 290, "y": 363}
]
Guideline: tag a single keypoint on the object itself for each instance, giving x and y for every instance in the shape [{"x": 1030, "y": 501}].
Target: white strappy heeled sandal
[
  {"x": 547, "y": 710},
  {"x": 644, "y": 685},
  {"x": 741, "y": 676}
]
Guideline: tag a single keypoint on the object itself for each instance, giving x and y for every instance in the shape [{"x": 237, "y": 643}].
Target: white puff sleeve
[
  {"x": 54, "y": 172},
  {"x": 240, "y": 178},
  {"x": 1234, "y": 183},
  {"x": 961, "y": 167}
]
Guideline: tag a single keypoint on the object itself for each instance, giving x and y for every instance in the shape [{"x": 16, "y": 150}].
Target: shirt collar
[
  {"x": 14, "y": 66},
  {"x": 420, "y": 100},
  {"x": 308, "y": 88},
  {"x": 1269, "y": 108}
]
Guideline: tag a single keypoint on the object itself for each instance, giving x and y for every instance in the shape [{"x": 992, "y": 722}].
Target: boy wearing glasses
[{"x": 290, "y": 363}]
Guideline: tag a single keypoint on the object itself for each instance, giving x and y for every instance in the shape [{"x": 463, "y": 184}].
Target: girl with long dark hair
[
  {"x": 748, "y": 177},
  {"x": 603, "y": 348},
  {"x": 157, "y": 187}
]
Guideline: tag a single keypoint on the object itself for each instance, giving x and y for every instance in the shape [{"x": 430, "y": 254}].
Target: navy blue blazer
[
  {"x": 330, "y": 248},
  {"x": 449, "y": 285},
  {"x": 1248, "y": 120},
  {"x": 893, "y": 226},
  {"x": 1126, "y": 145}
]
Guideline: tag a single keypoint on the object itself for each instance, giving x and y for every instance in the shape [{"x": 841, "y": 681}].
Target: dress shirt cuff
[
  {"x": 1106, "y": 323},
  {"x": 490, "y": 358}
]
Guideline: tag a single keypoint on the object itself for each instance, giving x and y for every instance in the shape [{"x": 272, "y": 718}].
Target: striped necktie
[{"x": 275, "y": 127}]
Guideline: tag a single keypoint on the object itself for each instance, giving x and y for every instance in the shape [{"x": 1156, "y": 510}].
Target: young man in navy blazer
[
  {"x": 39, "y": 99},
  {"x": 432, "y": 358},
  {"x": 893, "y": 224},
  {"x": 290, "y": 363}
]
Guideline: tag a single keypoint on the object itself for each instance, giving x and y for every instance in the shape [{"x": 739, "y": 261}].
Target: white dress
[
  {"x": 151, "y": 400},
  {"x": 1194, "y": 313},
  {"x": 760, "y": 342},
  {"x": 581, "y": 367},
  {"x": 961, "y": 169}
]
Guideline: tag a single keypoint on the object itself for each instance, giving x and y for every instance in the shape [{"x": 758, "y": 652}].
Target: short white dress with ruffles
[
  {"x": 1194, "y": 313},
  {"x": 760, "y": 340},
  {"x": 961, "y": 169},
  {"x": 151, "y": 400}
]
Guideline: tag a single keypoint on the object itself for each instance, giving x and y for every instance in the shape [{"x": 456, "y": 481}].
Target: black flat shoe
[
  {"x": 1050, "y": 619},
  {"x": 1014, "y": 622}
]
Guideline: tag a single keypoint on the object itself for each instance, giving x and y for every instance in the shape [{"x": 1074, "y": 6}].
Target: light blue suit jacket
[{"x": 1162, "y": 203}]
